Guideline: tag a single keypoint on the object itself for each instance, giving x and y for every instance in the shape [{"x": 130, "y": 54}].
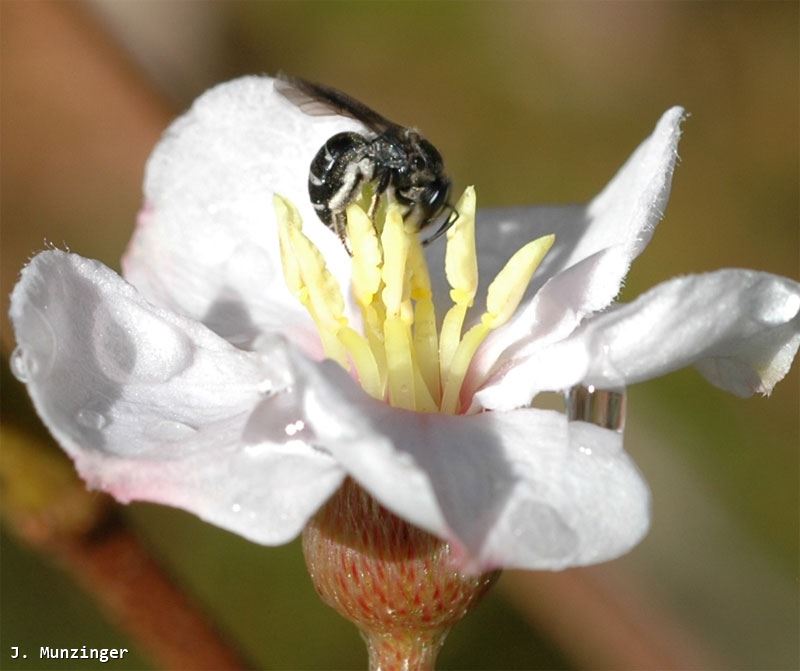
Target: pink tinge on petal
[
  {"x": 145, "y": 215},
  {"x": 151, "y": 405}
]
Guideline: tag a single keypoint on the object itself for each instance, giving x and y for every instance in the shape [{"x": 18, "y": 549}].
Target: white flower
[{"x": 201, "y": 383}]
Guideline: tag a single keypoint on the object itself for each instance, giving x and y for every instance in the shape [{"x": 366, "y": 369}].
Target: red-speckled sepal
[{"x": 398, "y": 584}]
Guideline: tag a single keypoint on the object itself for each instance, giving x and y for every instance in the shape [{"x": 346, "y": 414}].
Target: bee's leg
[
  {"x": 373, "y": 205},
  {"x": 339, "y": 226},
  {"x": 380, "y": 189}
]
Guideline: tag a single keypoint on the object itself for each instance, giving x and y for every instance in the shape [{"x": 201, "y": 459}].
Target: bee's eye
[{"x": 417, "y": 163}]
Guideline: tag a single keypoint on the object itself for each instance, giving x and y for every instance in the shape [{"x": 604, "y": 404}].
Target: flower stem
[{"x": 397, "y": 651}]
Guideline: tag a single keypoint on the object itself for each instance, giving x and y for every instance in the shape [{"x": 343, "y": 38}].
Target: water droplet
[
  {"x": 236, "y": 507},
  {"x": 21, "y": 365},
  {"x": 259, "y": 450},
  {"x": 265, "y": 388},
  {"x": 603, "y": 407},
  {"x": 34, "y": 360},
  {"x": 91, "y": 419},
  {"x": 294, "y": 427},
  {"x": 171, "y": 430},
  {"x": 585, "y": 450}
]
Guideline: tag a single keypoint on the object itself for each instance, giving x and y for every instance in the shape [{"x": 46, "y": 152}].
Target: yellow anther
[
  {"x": 461, "y": 259},
  {"x": 400, "y": 364},
  {"x": 459, "y": 364},
  {"x": 426, "y": 344},
  {"x": 420, "y": 278},
  {"x": 505, "y": 293},
  {"x": 450, "y": 337},
  {"x": 400, "y": 355},
  {"x": 502, "y": 299},
  {"x": 367, "y": 257},
  {"x": 423, "y": 400},
  {"x": 360, "y": 352},
  {"x": 323, "y": 289},
  {"x": 461, "y": 270},
  {"x": 395, "y": 243},
  {"x": 308, "y": 279},
  {"x": 288, "y": 218}
]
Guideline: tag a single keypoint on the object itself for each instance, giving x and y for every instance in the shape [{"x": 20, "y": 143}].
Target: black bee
[{"x": 394, "y": 158}]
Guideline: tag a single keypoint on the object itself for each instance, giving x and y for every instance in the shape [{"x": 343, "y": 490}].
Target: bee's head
[{"x": 421, "y": 183}]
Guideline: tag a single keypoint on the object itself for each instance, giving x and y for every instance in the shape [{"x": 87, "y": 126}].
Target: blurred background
[{"x": 533, "y": 102}]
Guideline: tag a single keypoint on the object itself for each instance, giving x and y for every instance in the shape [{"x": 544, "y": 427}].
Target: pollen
[{"x": 403, "y": 357}]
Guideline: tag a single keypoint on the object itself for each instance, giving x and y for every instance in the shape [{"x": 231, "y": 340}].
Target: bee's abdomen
[{"x": 335, "y": 175}]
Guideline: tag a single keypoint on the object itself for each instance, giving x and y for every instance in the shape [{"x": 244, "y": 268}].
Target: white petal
[
  {"x": 593, "y": 251},
  {"x": 154, "y": 406},
  {"x": 524, "y": 489},
  {"x": 206, "y": 243},
  {"x": 741, "y": 328}
]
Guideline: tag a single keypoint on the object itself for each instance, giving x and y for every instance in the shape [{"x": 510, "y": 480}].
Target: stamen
[
  {"x": 308, "y": 278},
  {"x": 426, "y": 338},
  {"x": 401, "y": 357},
  {"x": 366, "y": 279},
  {"x": 395, "y": 243},
  {"x": 502, "y": 299},
  {"x": 461, "y": 270},
  {"x": 359, "y": 349},
  {"x": 396, "y": 294},
  {"x": 294, "y": 254},
  {"x": 367, "y": 262}
]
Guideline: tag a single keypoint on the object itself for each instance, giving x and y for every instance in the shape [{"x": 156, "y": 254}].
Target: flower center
[{"x": 401, "y": 357}]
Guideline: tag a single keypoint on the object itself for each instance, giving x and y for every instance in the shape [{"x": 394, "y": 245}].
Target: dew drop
[
  {"x": 585, "y": 450},
  {"x": 21, "y": 365},
  {"x": 91, "y": 419},
  {"x": 35, "y": 360},
  {"x": 603, "y": 407},
  {"x": 265, "y": 387},
  {"x": 295, "y": 427},
  {"x": 236, "y": 507},
  {"x": 171, "y": 430}
]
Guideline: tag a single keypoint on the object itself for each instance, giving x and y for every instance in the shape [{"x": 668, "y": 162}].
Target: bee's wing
[{"x": 318, "y": 100}]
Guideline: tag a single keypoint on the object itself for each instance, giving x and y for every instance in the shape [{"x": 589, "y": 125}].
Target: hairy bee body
[{"x": 395, "y": 159}]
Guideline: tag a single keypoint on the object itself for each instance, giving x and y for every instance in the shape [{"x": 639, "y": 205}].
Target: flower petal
[
  {"x": 524, "y": 489},
  {"x": 593, "y": 250},
  {"x": 153, "y": 406},
  {"x": 741, "y": 328},
  {"x": 206, "y": 244}
]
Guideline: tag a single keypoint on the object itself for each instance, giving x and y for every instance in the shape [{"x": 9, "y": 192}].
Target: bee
[{"x": 397, "y": 160}]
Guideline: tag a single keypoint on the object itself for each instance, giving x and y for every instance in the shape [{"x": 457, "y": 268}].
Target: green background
[{"x": 532, "y": 103}]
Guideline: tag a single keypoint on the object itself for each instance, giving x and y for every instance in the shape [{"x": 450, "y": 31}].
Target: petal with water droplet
[
  {"x": 509, "y": 489},
  {"x": 154, "y": 406}
]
